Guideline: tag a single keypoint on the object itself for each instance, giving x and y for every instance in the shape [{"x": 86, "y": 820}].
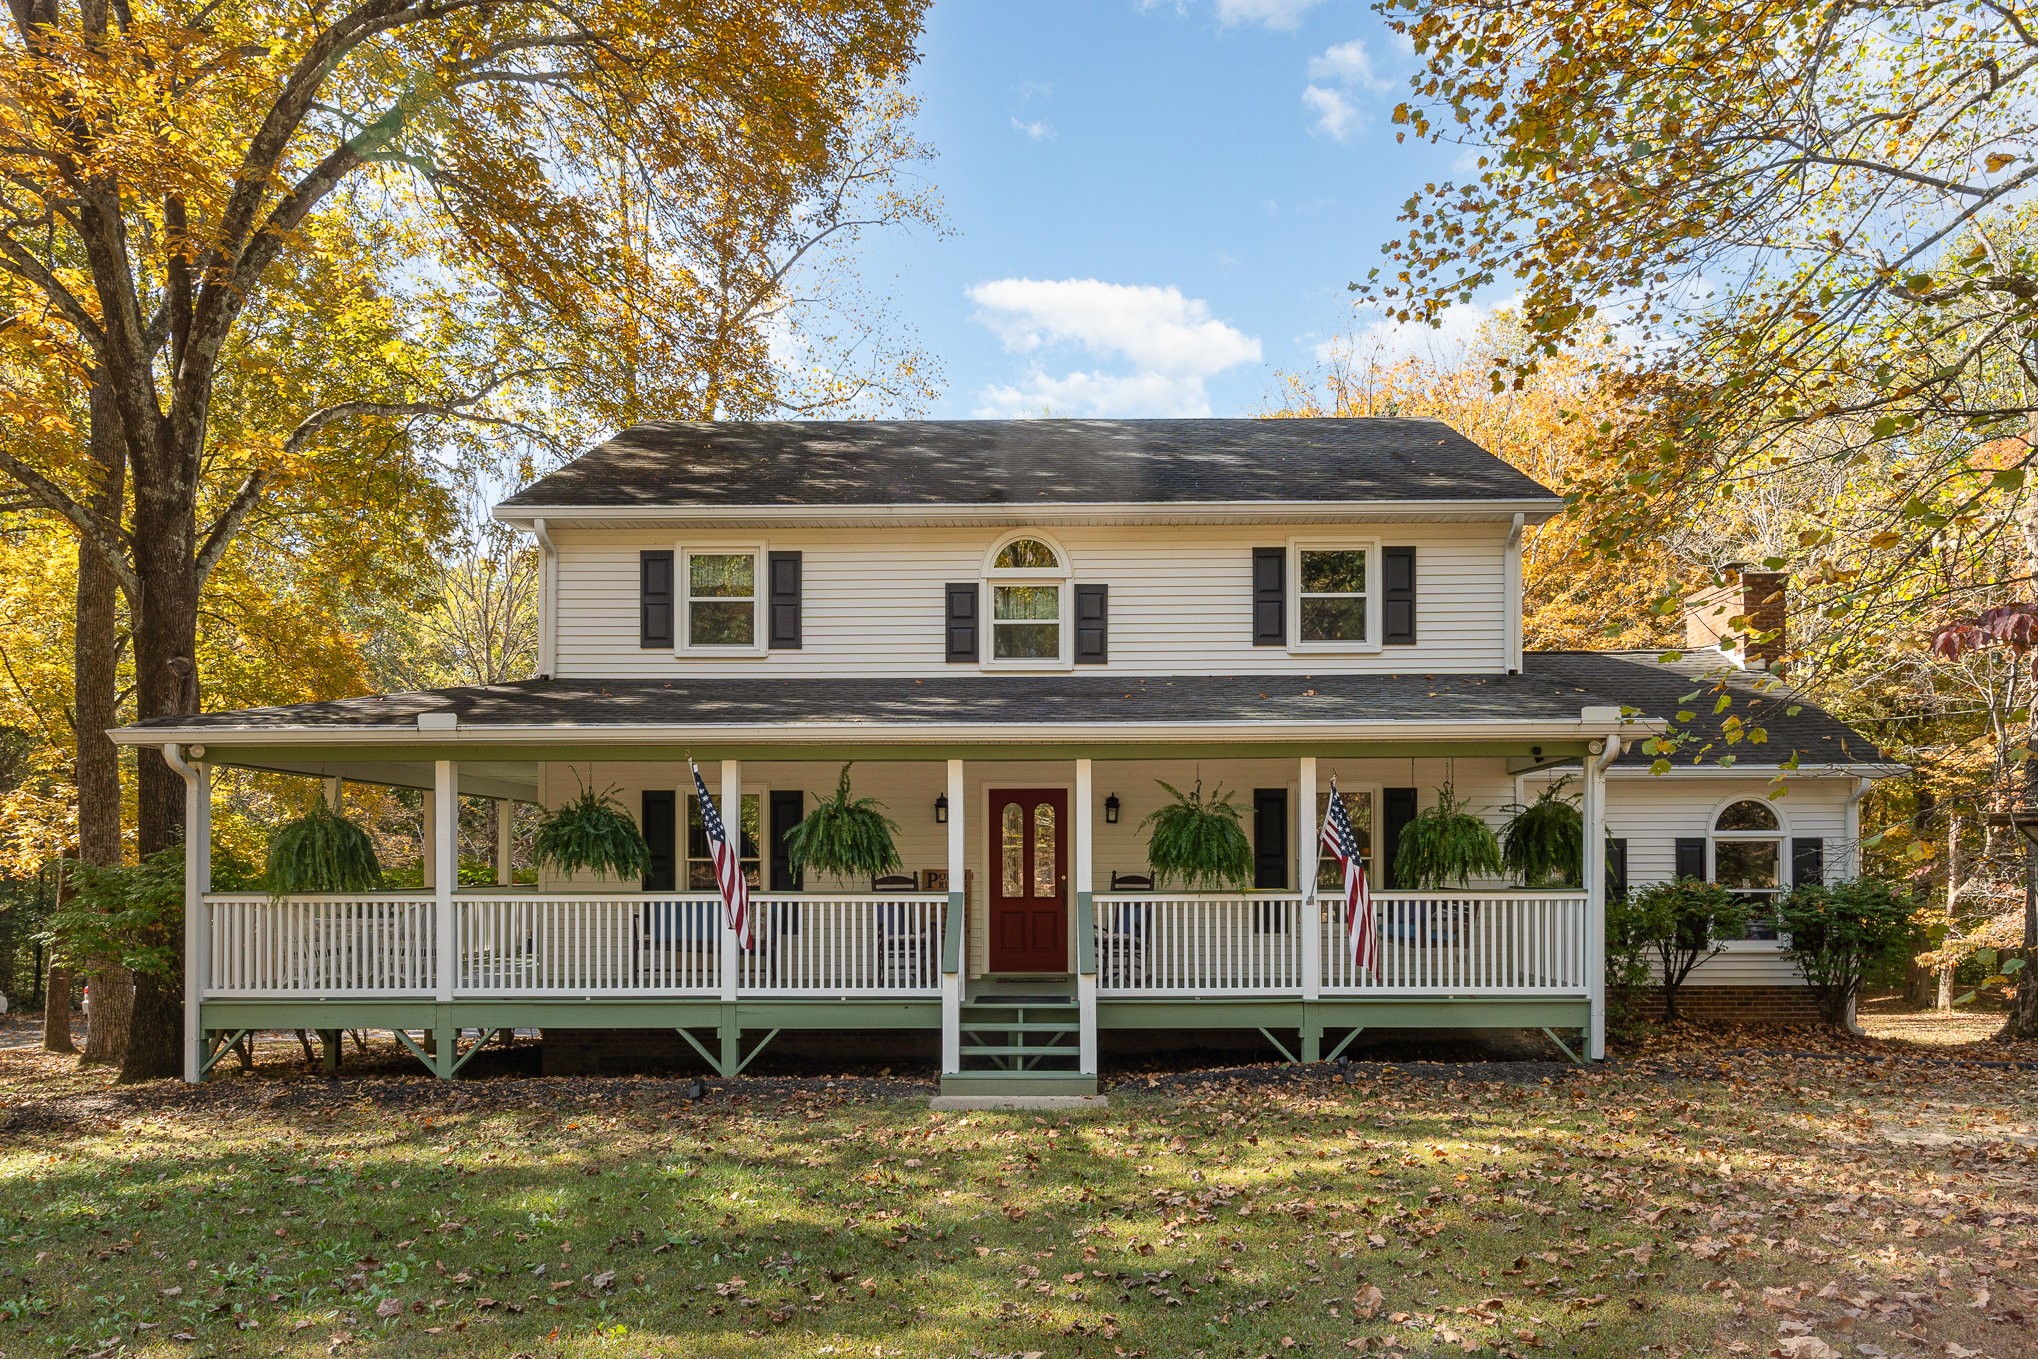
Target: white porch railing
[
  {"x": 532, "y": 943},
  {"x": 368, "y": 945},
  {"x": 1437, "y": 943},
  {"x": 845, "y": 945},
  {"x": 1196, "y": 944}
]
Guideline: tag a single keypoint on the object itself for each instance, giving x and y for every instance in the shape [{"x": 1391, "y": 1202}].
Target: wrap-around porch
[{"x": 1022, "y": 925}]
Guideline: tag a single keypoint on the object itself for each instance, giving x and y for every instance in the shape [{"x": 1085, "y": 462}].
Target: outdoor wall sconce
[
  {"x": 941, "y": 809},
  {"x": 1111, "y": 810}
]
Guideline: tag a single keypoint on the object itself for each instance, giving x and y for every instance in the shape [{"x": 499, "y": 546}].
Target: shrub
[
  {"x": 1202, "y": 842},
  {"x": 844, "y": 835},
  {"x": 1445, "y": 846},
  {"x": 133, "y": 913},
  {"x": 1627, "y": 967},
  {"x": 1684, "y": 923},
  {"x": 1545, "y": 839},
  {"x": 1838, "y": 933},
  {"x": 592, "y": 832}
]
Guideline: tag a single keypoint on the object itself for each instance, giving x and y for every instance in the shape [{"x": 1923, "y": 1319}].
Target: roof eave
[{"x": 1534, "y": 509}]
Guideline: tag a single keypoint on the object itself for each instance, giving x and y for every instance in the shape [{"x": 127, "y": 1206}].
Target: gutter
[
  {"x": 548, "y": 594},
  {"x": 445, "y": 733},
  {"x": 196, "y": 924},
  {"x": 1539, "y": 508}
]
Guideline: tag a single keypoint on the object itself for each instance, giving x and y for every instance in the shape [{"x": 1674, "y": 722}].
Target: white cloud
[
  {"x": 1281, "y": 14},
  {"x": 1037, "y": 130},
  {"x": 1171, "y": 342},
  {"x": 1336, "y": 116},
  {"x": 1347, "y": 64},
  {"x": 1388, "y": 341}
]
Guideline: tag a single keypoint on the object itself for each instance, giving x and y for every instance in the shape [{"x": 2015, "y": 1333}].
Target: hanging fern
[
  {"x": 1446, "y": 846},
  {"x": 1200, "y": 842},
  {"x": 592, "y": 832},
  {"x": 322, "y": 851},
  {"x": 1545, "y": 839},
  {"x": 849, "y": 837}
]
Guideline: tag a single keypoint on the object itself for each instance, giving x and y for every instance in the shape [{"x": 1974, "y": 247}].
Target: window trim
[
  {"x": 1375, "y": 610},
  {"x": 683, "y": 643},
  {"x": 991, "y": 576},
  {"x": 688, "y": 799}
]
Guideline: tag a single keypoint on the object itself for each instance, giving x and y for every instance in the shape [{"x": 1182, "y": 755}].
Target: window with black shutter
[
  {"x": 1808, "y": 862},
  {"x": 654, "y": 599},
  {"x": 783, "y": 574},
  {"x": 788, "y": 806},
  {"x": 962, "y": 621},
  {"x": 1093, "y": 621},
  {"x": 1690, "y": 861},
  {"x": 1270, "y": 596},
  {"x": 661, "y": 836},
  {"x": 1397, "y": 809},
  {"x": 1397, "y": 595}
]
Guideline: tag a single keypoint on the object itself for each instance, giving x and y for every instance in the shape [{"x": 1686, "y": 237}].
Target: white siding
[
  {"x": 1653, "y": 812},
  {"x": 1181, "y": 600}
]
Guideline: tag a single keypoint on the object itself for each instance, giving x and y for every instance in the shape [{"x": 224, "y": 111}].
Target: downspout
[
  {"x": 548, "y": 589},
  {"x": 1595, "y": 766},
  {"x": 1514, "y": 589},
  {"x": 1852, "y": 826},
  {"x": 196, "y": 924}
]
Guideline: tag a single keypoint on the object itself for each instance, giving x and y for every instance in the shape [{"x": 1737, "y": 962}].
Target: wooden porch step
[
  {"x": 1015, "y": 1050},
  {"x": 1018, "y": 1083},
  {"x": 1016, "y": 1026}
]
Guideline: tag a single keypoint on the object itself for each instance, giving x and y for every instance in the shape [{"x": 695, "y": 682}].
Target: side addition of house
[{"x": 1019, "y": 632}]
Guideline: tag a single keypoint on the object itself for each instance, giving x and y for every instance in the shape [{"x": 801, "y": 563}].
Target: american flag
[
  {"x": 728, "y": 866},
  {"x": 1343, "y": 843}
]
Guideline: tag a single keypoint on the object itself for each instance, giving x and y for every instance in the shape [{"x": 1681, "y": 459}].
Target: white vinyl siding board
[{"x": 1181, "y": 600}]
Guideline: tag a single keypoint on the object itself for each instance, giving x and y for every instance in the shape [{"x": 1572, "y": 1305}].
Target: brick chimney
[{"x": 1756, "y": 598}]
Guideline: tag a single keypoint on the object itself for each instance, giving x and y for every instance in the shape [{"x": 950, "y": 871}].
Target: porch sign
[
  {"x": 1343, "y": 843},
  {"x": 1029, "y": 880},
  {"x": 728, "y": 867}
]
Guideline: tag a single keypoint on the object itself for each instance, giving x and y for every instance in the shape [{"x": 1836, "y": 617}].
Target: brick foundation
[{"x": 1752, "y": 1005}]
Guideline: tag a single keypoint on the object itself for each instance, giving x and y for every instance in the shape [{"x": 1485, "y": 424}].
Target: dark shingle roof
[
  {"x": 987, "y": 699},
  {"x": 1662, "y": 689},
  {"x": 1028, "y": 462}
]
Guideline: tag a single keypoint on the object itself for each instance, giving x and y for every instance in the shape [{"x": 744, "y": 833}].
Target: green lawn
[{"x": 1684, "y": 1206}]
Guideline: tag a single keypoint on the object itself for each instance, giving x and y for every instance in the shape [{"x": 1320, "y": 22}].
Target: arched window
[
  {"x": 1026, "y": 589},
  {"x": 1747, "y": 856}
]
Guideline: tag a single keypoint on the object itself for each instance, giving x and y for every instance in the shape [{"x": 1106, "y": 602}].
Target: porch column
[
  {"x": 732, "y": 948},
  {"x": 1309, "y": 915},
  {"x": 505, "y": 830},
  {"x": 197, "y": 920},
  {"x": 333, "y": 792},
  {"x": 954, "y": 944},
  {"x": 444, "y": 863},
  {"x": 1593, "y": 812},
  {"x": 1086, "y": 923}
]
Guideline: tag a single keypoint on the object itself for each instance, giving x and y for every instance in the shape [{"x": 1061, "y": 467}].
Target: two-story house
[{"x": 1017, "y": 630}]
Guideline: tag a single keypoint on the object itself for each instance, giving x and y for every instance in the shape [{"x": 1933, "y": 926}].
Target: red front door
[{"x": 1029, "y": 880}]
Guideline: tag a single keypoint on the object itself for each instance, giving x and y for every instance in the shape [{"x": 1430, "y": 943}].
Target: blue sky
[{"x": 1155, "y": 207}]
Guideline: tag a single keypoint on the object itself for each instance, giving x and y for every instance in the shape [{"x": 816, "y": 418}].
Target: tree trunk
[
  {"x": 56, "y": 1011},
  {"x": 96, "y": 689},
  {"x": 2023, "y": 1021},
  {"x": 166, "y": 685}
]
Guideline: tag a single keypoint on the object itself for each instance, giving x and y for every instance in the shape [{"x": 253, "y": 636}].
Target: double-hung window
[
  {"x": 1027, "y": 585},
  {"x": 721, "y": 608},
  {"x": 700, "y": 857},
  {"x": 1336, "y": 596}
]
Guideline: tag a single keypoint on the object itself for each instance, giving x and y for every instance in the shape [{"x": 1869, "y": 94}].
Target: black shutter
[
  {"x": 1397, "y": 592},
  {"x": 1270, "y": 838},
  {"x": 962, "y": 622},
  {"x": 783, "y": 573},
  {"x": 1616, "y": 869},
  {"x": 1397, "y": 809},
  {"x": 1808, "y": 863},
  {"x": 654, "y": 599},
  {"x": 788, "y": 805},
  {"x": 661, "y": 833},
  {"x": 1691, "y": 857},
  {"x": 1093, "y": 624},
  {"x": 1270, "y": 596}
]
